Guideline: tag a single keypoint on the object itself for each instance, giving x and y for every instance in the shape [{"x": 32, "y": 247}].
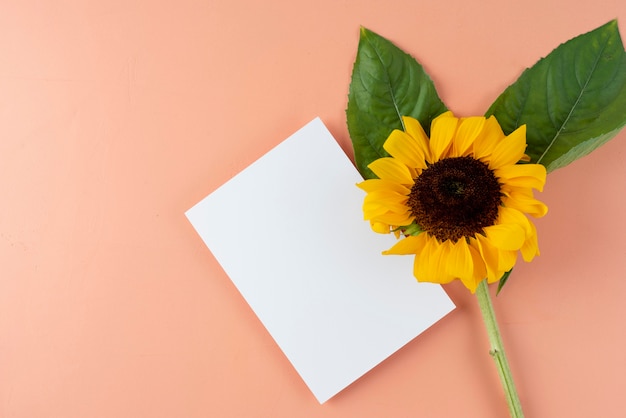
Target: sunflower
[{"x": 457, "y": 201}]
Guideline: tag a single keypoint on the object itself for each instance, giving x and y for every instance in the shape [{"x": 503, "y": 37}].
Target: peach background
[{"x": 117, "y": 116}]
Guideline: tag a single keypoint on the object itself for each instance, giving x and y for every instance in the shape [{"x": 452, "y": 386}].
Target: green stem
[{"x": 497, "y": 350}]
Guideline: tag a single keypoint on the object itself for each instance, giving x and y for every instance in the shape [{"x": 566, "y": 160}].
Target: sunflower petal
[
  {"x": 412, "y": 244},
  {"x": 460, "y": 263},
  {"x": 514, "y": 216},
  {"x": 466, "y": 264},
  {"x": 375, "y": 211},
  {"x": 510, "y": 150},
  {"x": 372, "y": 185},
  {"x": 404, "y": 148},
  {"x": 530, "y": 249},
  {"x": 413, "y": 128},
  {"x": 506, "y": 236},
  {"x": 491, "y": 257},
  {"x": 480, "y": 271},
  {"x": 488, "y": 138},
  {"x": 380, "y": 227},
  {"x": 390, "y": 218},
  {"x": 441, "y": 133},
  {"x": 506, "y": 260},
  {"x": 388, "y": 200},
  {"x": 422, "y": 259},
  {"x": 468, "y": 131},
  {"x": 430, "y": 263},
  {"x": 523, "y": 175},
  {"x": 524, "y": 201},
  {"x": 387, "y": 168},
  {"x": 441, "y": 259}
]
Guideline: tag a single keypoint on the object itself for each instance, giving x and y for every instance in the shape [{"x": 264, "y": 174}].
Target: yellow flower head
[{"x": 459, "y": 198}]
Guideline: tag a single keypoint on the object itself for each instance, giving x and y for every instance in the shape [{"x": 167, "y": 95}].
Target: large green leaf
[
  {"x": 386, "y": 84},
  {"x": 572, "y": 101}
]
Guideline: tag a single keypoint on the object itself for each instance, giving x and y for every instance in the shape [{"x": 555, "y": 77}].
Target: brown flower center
[{"x": 455, "y": 197}]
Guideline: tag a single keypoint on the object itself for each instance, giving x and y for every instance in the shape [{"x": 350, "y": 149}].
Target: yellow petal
[
  {"x": 430, "y": 263},
  {"x": 389, "y": 197},
  {"x": 530, "y": 249},
  {"x": 380, "y": 227},
  {"x": 380, "y": 213},
  {"x": 420, "y": 266},
  {"x": 470, "y": 283},
  {"x": 506, "y": 236},
  {"x": 480, "y": 271},
  {"x": 468, "y": 131},
  {"x": 523, "y": 175},
  {"x": 388, "y": 168},
  {"x": 441, "y": 133},
  {"x": 399, "y": 219},
  {"x": 509, "y": 215},
  {"x": 375, "y": 208},
  {"x": 510, "y": 150},
  {"x": 372, "y": 185},
  {"x": 491, "y": 257},
  {"x": 523, "y": 201},
  {"x": 372, "y": 210},
  {"x": 412, "y": 244},
  {"x": 488, "y": 138},
  {"x": 438, "y": 271},
  {"x": 460, "y": 263},
  {"x": 404, "y": 148},
  {"x": 466, "y": 264},
  {"x": 506, "y": 260},
  {"x": 391, "y": 201},
  {"x": 413, "y": 128}
]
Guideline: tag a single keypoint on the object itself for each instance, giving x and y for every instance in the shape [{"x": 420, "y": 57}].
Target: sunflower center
[{"x": 455, "y": 197}]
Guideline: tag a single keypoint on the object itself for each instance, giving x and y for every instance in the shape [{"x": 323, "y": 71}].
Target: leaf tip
[
  {"x": 363, "y": 31},
  {"x": 503, "y": 281}
]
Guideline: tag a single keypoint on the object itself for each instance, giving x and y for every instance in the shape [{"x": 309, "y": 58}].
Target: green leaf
[
  {"x": 572, "y": 101},
  {"x": 503, "y": 281},
  {"x": 386, "y": 84}
]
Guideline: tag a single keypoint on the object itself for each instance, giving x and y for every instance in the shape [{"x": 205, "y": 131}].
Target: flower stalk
[{"x": 497, "y": 350}]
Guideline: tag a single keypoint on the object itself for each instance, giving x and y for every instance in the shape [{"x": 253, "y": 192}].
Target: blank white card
[{"x": 289, "y": 232}]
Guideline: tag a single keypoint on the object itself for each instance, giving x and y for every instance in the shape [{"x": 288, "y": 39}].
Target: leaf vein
[
  {"x": 576, "y": 102},
  {"x": 389, "y": 86}
]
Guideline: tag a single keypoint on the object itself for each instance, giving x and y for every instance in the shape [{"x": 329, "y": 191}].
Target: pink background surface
[{"x": 117, "y": 116}]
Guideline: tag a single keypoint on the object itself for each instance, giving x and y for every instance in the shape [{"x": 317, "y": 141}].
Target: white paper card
[{"x": 289, "y": 232}]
